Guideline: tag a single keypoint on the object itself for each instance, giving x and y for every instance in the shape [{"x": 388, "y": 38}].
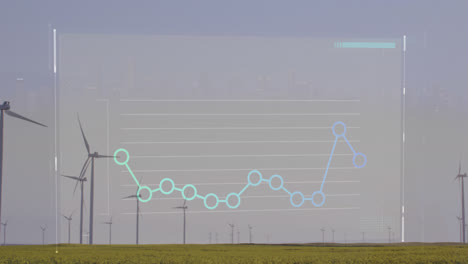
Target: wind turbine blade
[
  {"x": 106, "y": 156},
  {"x": 185, "y": 201},
  {"x": 82, "y": 173},
  {"x": 13, "y": 114},
  {"x": 85, "y": 167},
  {"x": 71, "y": 177},
  {"x": 130, "y": 196},
  {"x": 84, "y": 137}
]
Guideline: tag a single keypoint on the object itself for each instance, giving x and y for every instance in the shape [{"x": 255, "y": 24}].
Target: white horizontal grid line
[
  {"x": 224, "y": 128},
  {"x": 266, "y": 196},
  {"x": 235, "y": 156},
  {"x": 240, "y": 100},
  {"x": 241, "y": 114},
  {"x": 264, "y": 169},
  {"x": 234, "y": 142},
  {"x": 249, "y": 210},
  {"x": 240, "y": 183}
]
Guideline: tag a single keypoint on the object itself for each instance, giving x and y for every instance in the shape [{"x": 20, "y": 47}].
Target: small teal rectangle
[{"x": 366, "y": 45}]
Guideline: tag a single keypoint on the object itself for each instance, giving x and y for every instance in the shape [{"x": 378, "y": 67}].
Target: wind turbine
[
  {"x": 110, "y": 230},
  {"x": 389, "y": 234},
  {"x": 333, "y": 235},
  {"x": 232, "y": 233},
  {"x": 81, "y": 181},
  {"x": 183, "y": 207},
  {"x": 137, "y": 212},
  {"x": 323, "y": 235},
  {"x": 250, "y": 234},
  {"x": 4, "y": 232},
  {"x": 5, "y": 109},
  {"x": 43, "y": 234},
  {"x": 238, "y": 236},
  {"x": 461, "y": 178},
  {"x": 363, "y": 237},
  {"x": 460, "y": 226},
  {"x": 92, "y": 157},
  {"x": 69, "y": 218}
]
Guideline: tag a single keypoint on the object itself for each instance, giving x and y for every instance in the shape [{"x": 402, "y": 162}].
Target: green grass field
[{"x": 316, "y": 253}]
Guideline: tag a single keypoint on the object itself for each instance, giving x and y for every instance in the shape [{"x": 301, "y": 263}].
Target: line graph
[{"x": 254, "y": 178}]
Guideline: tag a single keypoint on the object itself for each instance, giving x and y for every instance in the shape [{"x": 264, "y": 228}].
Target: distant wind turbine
[
  {"x": 80, "y": 180},
  {"x": 389, "y": 234},
  {"x": 363, "y": 237},
  {"x": 183, "y": 207},
  {"x": 137, "y": 212},
  {"x": 333, "y": 235},
  {"x": 4, "y": 232},
  {"x": 323, "y": 234},
  {"x": 461, "y": 178},
  {"x": 110, "y": 230},
  {"x": 238, "y": 236},
  {"x": 460, "y": 223},
  {"x": 43, "y": 233},
  {"x": 250, "y": 234},
  {"x": 69, "y": 219},
  {"x": 5, "y": 109},
  {"x": 92, "y": 157},
  {"x": 232, "y": 233}
]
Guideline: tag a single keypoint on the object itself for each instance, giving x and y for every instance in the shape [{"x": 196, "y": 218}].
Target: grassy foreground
[{"x": 355, "y": 253}]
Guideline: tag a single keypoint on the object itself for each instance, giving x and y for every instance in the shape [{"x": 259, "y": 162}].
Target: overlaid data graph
[{"x": 254, "y": 178}]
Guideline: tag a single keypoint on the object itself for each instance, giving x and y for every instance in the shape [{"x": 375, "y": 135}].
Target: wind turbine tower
[
  {"x": 137, "y": 196},
  {"x": 69, "y": 219},
  {"x": 183, "y": 207},
  {"x": 461, "y": 178},
  {"x": 110, "y": 230},
  {"x": 323, "y": 235},
  {"x": 460, "y": 226},
  {"x": 4, "y": 232},
  {"x": 80, "y": 180},
  {"x": 5, "y": 109},
  {"x": 333, "y": 235},
  {"x": 389, "y": 234},
  {"x": 43, "y": 233},
  {"x": 250, "y": 234},
  {"x": 92, "y": 157},
  {"x": 232, "y": 233}
]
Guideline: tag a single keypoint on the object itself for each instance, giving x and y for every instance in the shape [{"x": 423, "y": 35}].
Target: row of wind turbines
[{"x": 81, "y": 179}]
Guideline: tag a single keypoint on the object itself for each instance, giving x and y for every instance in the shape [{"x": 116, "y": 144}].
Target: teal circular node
[
  {"x": 313, "y": 198},
  {"x": 271, "y": 180},
  {"x": 149, "y": 191},
  {"x": 342, "y": 134},
  {"x": 235, "y": 205},
  {"x": 292, "y": 200},
  {"x": 259, "y": 178},
  {"x": 194, "y": 192},
  {"x": 206, "y": 198},
  {"x": 161, "y": 185},
  {"x": 116, "y": 154}
]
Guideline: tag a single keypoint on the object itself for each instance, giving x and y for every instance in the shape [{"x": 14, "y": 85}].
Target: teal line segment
[
  {"x": 236, "y": 200},
  {"x": 365, "y": 45}
]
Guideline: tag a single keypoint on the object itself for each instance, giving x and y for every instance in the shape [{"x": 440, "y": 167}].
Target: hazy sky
[{"x": 436, "y": 86}]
